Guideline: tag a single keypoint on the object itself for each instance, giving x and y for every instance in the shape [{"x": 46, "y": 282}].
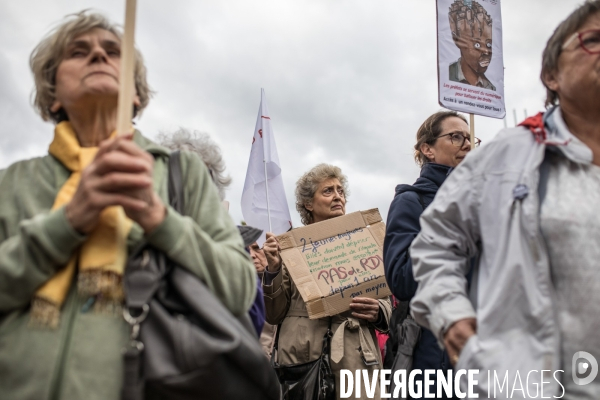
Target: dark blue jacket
[
  {"x": 402, "y": 228},
  {"x": 257, "y": 311}
]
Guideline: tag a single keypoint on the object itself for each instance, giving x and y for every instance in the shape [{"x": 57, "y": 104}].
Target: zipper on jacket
[
  {"x": 536, "y": 242},
  {"x": 64, "y": 346}
]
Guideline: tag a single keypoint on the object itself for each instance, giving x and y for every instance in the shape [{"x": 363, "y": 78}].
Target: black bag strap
[
  {"x": 141, "y": 282},
  {"x": 176, "y": 182}
]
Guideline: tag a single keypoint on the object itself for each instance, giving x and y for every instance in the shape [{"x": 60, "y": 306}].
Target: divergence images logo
[{"x": 584, "y": 362}]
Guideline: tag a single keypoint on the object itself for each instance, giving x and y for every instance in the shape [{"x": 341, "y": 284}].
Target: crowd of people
[{"x": 491, "y": 251}]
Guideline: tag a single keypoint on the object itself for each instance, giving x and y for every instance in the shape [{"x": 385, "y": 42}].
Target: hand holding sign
[
  {"x": 272, "y": 250},
  {"x": 365, "y": 308},
  {"x": 120, "y": 174}
]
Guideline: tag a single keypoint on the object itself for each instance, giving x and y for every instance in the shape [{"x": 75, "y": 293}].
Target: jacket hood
[{"x": 431, "y": 178}]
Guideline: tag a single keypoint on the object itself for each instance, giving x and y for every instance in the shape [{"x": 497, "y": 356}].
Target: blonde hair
[
  {"x": 307, "y": 186},
  {"x": 48, "y": 54}
]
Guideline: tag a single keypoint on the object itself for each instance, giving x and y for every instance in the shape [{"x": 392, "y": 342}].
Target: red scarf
[{"x": 536, "y": 125}]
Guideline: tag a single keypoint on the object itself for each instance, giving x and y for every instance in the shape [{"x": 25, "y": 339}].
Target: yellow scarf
[{"x": 101, "y": 259}]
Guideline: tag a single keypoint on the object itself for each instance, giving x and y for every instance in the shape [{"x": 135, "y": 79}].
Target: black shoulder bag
[
  {"x": 313, "y": 380},
  {"x": 184, "y": 343}
]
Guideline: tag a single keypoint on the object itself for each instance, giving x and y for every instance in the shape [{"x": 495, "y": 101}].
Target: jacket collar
[
  {"x": 437, "y": 173},
  {"x": 572, "y": 148},
  {"x": 149, "y": 145},
  {"x": 431, "y": 178}
]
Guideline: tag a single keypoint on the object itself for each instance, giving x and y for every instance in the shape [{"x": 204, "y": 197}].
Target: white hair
[{"x": 201, "y": 144}]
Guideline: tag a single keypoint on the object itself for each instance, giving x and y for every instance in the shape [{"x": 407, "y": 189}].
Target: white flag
[{"x": 263, "y": 166}]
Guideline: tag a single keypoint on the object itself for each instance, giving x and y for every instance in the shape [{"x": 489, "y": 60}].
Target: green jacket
[{"x": 81, "y": 359}]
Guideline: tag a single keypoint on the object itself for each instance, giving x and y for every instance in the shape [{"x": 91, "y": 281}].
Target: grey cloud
[{"x": 347, "y": 82}]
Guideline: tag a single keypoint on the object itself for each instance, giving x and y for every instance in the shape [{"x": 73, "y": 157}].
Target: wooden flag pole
[
  {"x": 472, "y": 129},
  {"x": 126, "y": 78}
]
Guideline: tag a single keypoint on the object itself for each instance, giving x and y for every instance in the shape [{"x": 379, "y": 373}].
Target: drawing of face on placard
[{"x": 471, "y": 28}]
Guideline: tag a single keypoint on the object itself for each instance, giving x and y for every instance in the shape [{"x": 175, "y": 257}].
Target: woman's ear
[
  {"x": 549, "y": 78},
  {"x": 55, "y": 106},
  {"x": 136, "y": 106},
  {"x": 427, "y": 150},
  {"x": 308, "y": 206}
]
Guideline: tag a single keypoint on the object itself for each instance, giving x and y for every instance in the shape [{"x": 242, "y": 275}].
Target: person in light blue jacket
[{"x": 526, "y": 205}]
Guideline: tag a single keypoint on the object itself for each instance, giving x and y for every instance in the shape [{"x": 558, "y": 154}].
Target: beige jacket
[
  {"x": 267, "y": 338},
  {"x": 301, "y": 338}
]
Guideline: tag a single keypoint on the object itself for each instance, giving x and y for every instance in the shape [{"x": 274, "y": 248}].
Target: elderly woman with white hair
[
  {"x": 321, "y": 194},
  {"x": 209, "y": 152},
  {"x": 69, "y": 219}
]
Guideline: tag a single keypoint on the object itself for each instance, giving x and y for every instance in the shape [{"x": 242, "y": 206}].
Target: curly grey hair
[
  {"x": 307, "y": 186},
  {"x": 201, "y": 144}
]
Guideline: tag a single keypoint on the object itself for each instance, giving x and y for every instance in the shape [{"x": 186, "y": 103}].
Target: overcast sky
[{"x": 348, "y": 82}]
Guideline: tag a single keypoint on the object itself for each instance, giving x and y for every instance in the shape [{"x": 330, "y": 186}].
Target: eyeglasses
[
  {"x": 589, "y": 41},
  {"x": 458, "y": 139}
]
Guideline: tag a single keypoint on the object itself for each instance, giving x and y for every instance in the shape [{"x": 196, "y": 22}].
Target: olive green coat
[
  {"x": 81, "y": 359},
  {"x": 301, "y": 338}
]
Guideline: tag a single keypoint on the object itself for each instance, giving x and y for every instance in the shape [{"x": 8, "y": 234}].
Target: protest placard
[
  {"x": 470, "y": 58},
  {"x": 333, "y": 261}
]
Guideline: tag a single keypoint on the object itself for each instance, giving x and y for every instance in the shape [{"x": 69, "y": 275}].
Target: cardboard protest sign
[
  {"x": 470, "y": 59},
  {"x": 335, "y": 260}
]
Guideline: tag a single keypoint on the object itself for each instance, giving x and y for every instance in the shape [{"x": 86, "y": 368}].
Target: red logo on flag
[{"x": 260, "y": 132}]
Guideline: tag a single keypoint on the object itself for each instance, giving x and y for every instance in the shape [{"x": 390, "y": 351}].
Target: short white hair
[{"x": 201, "y": 144}]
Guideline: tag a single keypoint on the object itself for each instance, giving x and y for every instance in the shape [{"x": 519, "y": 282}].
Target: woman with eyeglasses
[
  {"x": 442, "y": 143},
  {"x": 530, "y": 214},
  {"x": 321, "y": 195}
]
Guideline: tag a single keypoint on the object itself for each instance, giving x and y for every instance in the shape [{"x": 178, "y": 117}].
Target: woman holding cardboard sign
[{"x": 321, "y": 194}]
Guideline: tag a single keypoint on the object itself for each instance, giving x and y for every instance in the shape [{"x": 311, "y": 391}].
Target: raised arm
[
  {"x": 277, "y": 296},
  {"x": 277, "y": 284}
]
